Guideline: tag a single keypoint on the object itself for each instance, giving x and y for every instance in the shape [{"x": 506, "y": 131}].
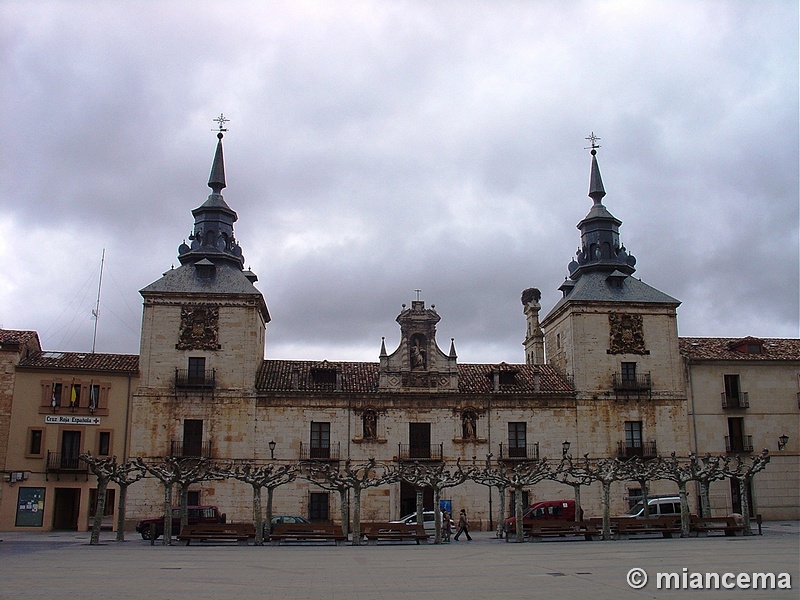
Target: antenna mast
[{"x": 96, "y": 311}]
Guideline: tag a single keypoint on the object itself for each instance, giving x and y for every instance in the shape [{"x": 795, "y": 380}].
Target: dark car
[
  {"x": 196, "y": 514},
  {"x": 277, "y": 519}
]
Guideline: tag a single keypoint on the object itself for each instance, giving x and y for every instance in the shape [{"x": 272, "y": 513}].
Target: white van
[{"x": 663, "y": 506}]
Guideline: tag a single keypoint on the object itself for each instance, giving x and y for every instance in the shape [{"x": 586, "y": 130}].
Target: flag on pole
[
  {"x": 73, "y": 396},
  {"x": 53, "y": 399}
]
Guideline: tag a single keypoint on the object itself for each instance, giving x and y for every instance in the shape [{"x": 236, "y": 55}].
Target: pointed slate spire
[
  {"x": 216, "y": 181},
  {"x": 596, "y": 189},
  {"x": 453, "y": 348},
  {"x": 383, "y": 348}
]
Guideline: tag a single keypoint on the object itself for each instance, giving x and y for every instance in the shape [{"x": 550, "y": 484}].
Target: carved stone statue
[
  {"x": 370, "y": 421},
  {"x": 468, "y": 425}
]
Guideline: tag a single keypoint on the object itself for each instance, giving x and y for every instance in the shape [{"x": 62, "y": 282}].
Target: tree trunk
[
  {"x": 167, "y": 514},
  {"x": 437, "y": 516},
  {"x": 578, "y": 510},
  {"x": 121, "y": 507},
  {"x": 745, "y": 501},
  {"x": 100, "y": 508},
  {"x": 606, "y": 510},
  {"x": 502, "y": 518},
  {"x": 184, "y": 504},
  {"x": 643, "y": 486},
  {"x": 356, "y": 516},
  {"x": 518, "y": 512},
  {"x": 684, "y": 509},
  {"x": 257, "y": 518},
  {"x": 420, "y": 508},
  {"x": 268, "y": 518},
  {"x": 343, "y": 511},
  {"x": 705, "y": 497}
]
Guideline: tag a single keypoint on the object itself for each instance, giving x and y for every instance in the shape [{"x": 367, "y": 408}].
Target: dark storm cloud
[{"x": 378, "y": 148}]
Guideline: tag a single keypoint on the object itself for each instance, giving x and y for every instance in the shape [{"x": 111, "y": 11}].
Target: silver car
[{"x": 428, "y": 520}]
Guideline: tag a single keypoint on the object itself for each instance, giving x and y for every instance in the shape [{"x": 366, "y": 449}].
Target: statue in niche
[
  {"x": 418, "y": 362},
  {"x": 370, "y": 421},
  {"x": 468, "y": 419}
]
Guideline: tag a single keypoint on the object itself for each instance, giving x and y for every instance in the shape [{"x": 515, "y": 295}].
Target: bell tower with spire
[
  {"x": 616, "y": 335},
  {"x": 203, "y": 328}
]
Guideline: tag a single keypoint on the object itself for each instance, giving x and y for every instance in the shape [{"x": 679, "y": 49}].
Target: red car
[
  {"x": 547, "y": 509},
  {"x": 196, "y": 514}
]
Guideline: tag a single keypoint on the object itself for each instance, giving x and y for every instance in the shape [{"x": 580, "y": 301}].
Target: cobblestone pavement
[{"x": 62, "y": 565}]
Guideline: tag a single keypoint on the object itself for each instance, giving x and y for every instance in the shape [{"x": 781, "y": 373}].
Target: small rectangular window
[
  {"x": 103, "y": 443},
  {"x": 517, "y": 440},
  {"x": 633, "y": 434},
  {"x": 628, "y": 371},
  {"x": 197, "y": 370},
  {"x": 35, "y": 442}
]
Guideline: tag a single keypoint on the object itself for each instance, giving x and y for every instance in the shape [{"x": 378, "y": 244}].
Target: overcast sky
[{"x": 376, "y": 148}]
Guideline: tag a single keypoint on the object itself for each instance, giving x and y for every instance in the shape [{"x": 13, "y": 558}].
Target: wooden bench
[
  {"x": 701, "y": 526},
  {"x": 218, "y": 532},
  {"x": 625, "y": 527},
  {"x": 307, "y": 532},
  {"x": 541, "y": 528},
  {"x": 383, "y": 531}
]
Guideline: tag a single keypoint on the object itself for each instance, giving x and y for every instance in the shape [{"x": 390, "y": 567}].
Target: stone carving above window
[
  {"x": 627, "y": 334},
  {"x": 199, "y": 328}
]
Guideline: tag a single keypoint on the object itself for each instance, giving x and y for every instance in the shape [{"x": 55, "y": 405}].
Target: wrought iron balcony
[
  {"x": 432, "y": 452},
  {"x": 735, "y": 401},
  {"x": 60, "y": 463},
  {"x": 520, "y": 452},
  {"x": 319, "y": 452},
  {"x": 645, "y": 450},
  {"x": 186, "y": 378},
  {"x": 632, "y": 383},
  {"x": 190, "y": 449},
  {"x": 739, "y": 444}
]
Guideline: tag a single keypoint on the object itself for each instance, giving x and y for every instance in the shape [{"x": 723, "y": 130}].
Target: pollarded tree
[
  {"x": 108, "y": 470},
  {"x": 680, "y": 471},
  {"x": 524, "y": 474},
  {"x": 575, "y": 475},
  {"x": 269, "y": 476},
  {"x": 181, "y": 471},
  {"x": 435, "y": 476},
  {"x": 350, "y": 477},
  {"x": 643, "y": 472},
  {"x": 491, "y": 476},
  {"x": 706, "y": 469},
  {"x": 607, "y": 471},
  {"x": 743, "y": 472}
]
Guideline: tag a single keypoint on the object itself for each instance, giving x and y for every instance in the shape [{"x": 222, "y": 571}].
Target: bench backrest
[
  {"x": 299, "y": 528},
  {"x": 384, "y": 526}
]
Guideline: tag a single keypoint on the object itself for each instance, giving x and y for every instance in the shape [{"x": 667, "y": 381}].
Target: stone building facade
[
  {"x": 604, "y": 374},
  {"x": 613, "y": 384}
]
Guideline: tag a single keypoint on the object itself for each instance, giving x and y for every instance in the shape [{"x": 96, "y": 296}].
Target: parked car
[
  {"x": 658, "y": 506},
  {"x": 277, "y": 519},
  {"x": 428, "y": 520},
  {"x": 196, "y": 514},
  {"x": 547, "y": 509}
]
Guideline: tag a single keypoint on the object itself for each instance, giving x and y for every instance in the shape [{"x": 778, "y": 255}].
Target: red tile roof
[
  {"x": 698, "y": 348},
  {"x": 14, "y": 336},
  {"x": 82, "y": 361},
  {"x": 363, "y": 377}
]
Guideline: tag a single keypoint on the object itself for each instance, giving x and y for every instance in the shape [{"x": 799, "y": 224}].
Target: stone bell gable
[{"x": 418, "y": 364}]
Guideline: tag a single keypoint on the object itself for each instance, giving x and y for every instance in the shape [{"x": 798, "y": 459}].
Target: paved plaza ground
[{"x": 63, "y": 565}]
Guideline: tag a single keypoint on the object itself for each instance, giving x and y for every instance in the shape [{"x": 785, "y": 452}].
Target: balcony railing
[
  {"x": 319, "y": 452},
  {"x": 739, "y": 444},
  {"x": 190, "y": 449},
  {"x": 519, "y": 452},
  {"x": 428, "y": 452},
  {"x": 735, "y": 401},
  {"x": 60, "y": 463},
  {"x": 645, "y": 450},
  {"x": 632, "y": 383},
  {"x": 184, "y": 378}
]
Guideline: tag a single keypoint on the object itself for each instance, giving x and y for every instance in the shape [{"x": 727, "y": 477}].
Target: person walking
[
  {"x": 446, "y": 527},
  {"x": 463, "y": 526}
]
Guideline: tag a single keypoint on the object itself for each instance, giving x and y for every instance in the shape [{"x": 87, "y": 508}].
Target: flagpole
[{"x": 96, "y": 311}]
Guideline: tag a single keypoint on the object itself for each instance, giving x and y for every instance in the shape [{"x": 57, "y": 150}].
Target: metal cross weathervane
[
  {"x": 221, "y": 120},
  {"x": 593, "y": 139}
]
